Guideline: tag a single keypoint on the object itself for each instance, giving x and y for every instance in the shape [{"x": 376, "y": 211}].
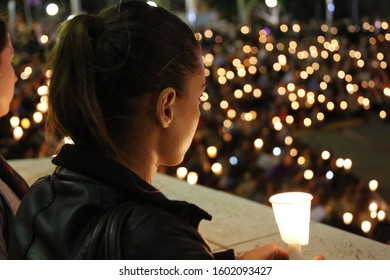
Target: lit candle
[{"x": 292, "y": 215}]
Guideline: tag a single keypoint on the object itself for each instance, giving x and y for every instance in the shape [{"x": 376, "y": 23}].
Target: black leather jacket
[{"x": 59, "y": 213}]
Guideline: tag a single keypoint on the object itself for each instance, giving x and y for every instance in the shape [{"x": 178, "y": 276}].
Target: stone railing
[{"x": 240, "y": 223}]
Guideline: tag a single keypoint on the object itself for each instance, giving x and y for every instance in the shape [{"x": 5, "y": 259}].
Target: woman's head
[
  {"x": 7, "y": 73},
  {"x": 105, "y": 66}
]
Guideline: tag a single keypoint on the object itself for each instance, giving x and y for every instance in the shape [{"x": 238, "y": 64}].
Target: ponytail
[{"x": 74, "y": 79}]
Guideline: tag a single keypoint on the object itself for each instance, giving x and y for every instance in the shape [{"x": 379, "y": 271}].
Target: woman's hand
[{"x": 272, "y": 251}]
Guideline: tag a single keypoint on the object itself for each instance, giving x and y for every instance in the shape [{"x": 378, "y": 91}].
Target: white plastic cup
[{"x": 292, "y": 215}]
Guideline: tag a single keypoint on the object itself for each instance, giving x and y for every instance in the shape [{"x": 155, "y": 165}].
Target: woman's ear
[{"x": 164, "y": 106}]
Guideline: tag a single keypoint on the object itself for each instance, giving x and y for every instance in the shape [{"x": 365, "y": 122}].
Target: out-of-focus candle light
[
  {"x": 217, "y": 168},
  {"x": 277, "y": 66},
  {"x": 24, "y": 76},
  {"x": 28, "y": 70},
  {"x": 288, "y": 140},
  {"x": 271, "y": 3},
  {"x": 42, "y": 107},
  {"x": 340, "y": 162},
  {"x": 343, "y": 105},
  {"x": 181, "y": 172},
  {"x": 304, "y": 75},
  {"x": 238, "y": 93},
  {"x": 246, "y": 49},
  {"x": 222, "y": 80},
  {"x": 296, "y": 28},
  {"x": 323, "y": 85},
  {"x": 192, "y": 178},
  {"x": 233, "y": 160},
  {"x": 257, "y": 93},
  {"x": 43, "y": 90},
  {"x": 37, "y": 117},
  {"x": 325, "y": 155},
  {"x": 320, "y": 116},
  {"x": 269, "y": 47},
  {"x": 341, "y": 74},
  {"x": 224, "y": 104},
  {"x": 284, "y": 28},
  {"x": 228, "y": 124},
  {"x": 247, "y": 88},
  {"x": 373, "y": 207},
  {"x": 282, "y": 59},
  {"x": 252, "y": 70},
  {"x": 230, "y": 75},
  {"x": 295, "y": 105},
  {"x": 206, "y": 106},
  {"x": 14, "y": 121},
  {"x": 381, "y": 215},
  {"x": 347, "y": 164},
  {"x": 301, "y": 93},
  {"x": 25, "y": 123},
  {"x": 307, "y": 122},
  {"x": 330, "y": 106},
  {"x": 366, "y": 226},
  {"x": 290, "y": 119},
  {"x": 321, "y": 98},
  {"x": 373, "y": 185},
  {"x": 231, "y": 113},
  {"x": 282, "y": 91},
  {"x": 18, "y": 133},
  {"x": 44, "y": 39},
  {"x": 308, "y": 174},
  {"x": 276, "y": 151},
  {"x": 52, "y": 9},
  {"x": 212, "y": 151},
  {"x": 258, "y": 143},
  {"x": 347, "y": 218},
  {"x": 278, "y": 126},
  {"x": 245, "y": 29},
  {"x": 301, "y": 160},
  {"x": 204, "y": 97},
  {"x": 208, "y": 33}
]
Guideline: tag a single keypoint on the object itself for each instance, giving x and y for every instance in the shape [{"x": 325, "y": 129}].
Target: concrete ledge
[{"x": 240, "y": 223}]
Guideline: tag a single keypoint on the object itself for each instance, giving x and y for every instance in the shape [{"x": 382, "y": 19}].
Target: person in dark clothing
[
  {"x": 12, "y": 185},
  {"x": 125, "y": 88}
]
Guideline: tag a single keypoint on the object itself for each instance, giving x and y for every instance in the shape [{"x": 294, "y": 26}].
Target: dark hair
[
  {"x": 3, "y": 34},
  {"x": 102, "y": 64}
]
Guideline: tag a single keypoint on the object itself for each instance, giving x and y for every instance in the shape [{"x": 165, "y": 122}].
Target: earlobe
[{"x": 164, "y": 106}]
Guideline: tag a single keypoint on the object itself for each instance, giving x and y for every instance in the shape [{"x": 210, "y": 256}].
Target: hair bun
[{"x": 97, "y": 27}]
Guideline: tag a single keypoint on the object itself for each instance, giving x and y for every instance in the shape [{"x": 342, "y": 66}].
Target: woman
[
  {"x": 126, "y": 89},
  {"x": 12, "y": 186}
]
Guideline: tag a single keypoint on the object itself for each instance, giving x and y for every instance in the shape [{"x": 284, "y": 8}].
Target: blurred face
[
  {"x": 186, "y": 119},
  {"x": 7, "y": 78}
]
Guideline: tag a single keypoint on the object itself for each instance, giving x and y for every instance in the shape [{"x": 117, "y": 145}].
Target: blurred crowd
[
  {"x": 265, "y": 85},
  {"x": 268, "y": 84}
]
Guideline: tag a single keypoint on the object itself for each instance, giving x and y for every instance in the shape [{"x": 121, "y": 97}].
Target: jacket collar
[{"x": 95, "y": 165}]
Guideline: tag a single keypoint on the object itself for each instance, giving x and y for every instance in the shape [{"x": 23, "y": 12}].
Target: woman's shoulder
[{"x": 157, "y": 233}]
